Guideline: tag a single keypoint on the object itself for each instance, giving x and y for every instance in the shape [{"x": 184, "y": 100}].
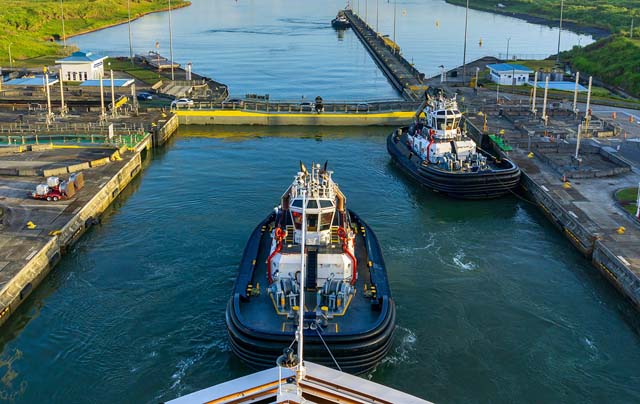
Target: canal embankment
[
  {"x": 404, "y": 77},
  {"x": 575, "y": 195},
  {"x": 35, "y": 233}
]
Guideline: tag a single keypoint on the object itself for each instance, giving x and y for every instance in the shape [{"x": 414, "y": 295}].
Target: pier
[
  {"x": 386, "y": 53},
  {"x": 575, "y": 196},
  {"x": 36, "y": 233}
]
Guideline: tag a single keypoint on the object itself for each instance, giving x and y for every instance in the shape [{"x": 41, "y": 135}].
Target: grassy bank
[
  {"x": 33, "y": 26},
  {"x": 608, "y": 15},
  {"x": 614, "y": 60}
]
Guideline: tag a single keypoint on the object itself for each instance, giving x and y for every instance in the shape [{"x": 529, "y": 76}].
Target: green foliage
[
  {"x": 615, "y": 60},
  {"x": 627, "y": 194},
  {"x": 612, "y": 15},
  {"x": 32, "y": 26}
]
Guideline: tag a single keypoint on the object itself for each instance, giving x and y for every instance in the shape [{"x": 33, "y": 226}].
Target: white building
[
  {"x": 508, "y": 74},
  {"x": 81, "y": 66}
]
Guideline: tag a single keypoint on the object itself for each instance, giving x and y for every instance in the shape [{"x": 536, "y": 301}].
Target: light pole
[
  {"x": 560, "y": 32},
  {"x": 102, "y": 114},
  {"x": 171, "y": 42},
  {"x": 508, "y": 40},
  {"x": 464, "y": 53},
  {"x": 113, "y": 93},
  {"x": 130, "y": 35},
  {"x": 377, "y": 11},
  {"x": 395, "y": 4},
  {"x": 64, "y": 36},
  {"x": 10, "y": 59}
]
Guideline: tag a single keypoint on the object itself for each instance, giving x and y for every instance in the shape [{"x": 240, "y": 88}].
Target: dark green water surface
[{"x": 494, "y": 305}]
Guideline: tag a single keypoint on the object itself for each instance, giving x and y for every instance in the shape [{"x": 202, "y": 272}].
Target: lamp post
[
  {"x": 102, "y": 114},
  {"x": 10, "y": 59},
  {"x": 63, "y": 107},
  {"x": 130, "y": 35},
  {"x": 64, "y": 36},
  {"x": 46, "y": 85},
  {"x": 395, "y": 4},
  {"x": 113, "y": 93},
  {"x": 171, "y": 42},
  {"x": 560, "y": 32},
  {"x": 508, "y": 40},
  {"x": 464, "y": 53}
]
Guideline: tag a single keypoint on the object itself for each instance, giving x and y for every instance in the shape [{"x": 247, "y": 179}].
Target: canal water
[
  {"x": 494, "y": 305},
  {"x": 287, "y": 48}
]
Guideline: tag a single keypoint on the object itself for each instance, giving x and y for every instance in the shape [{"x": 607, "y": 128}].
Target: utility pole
[
  {"x": 575, "y": 94},
  {"x": 46, "y": 84},
  {"x": 113, "y": 94},
  {"x": 64, "y": 36},
  {"x": 508, "y": 40},
  {"x": 587, "y": 111},
  {"x": 130, "y": 35},
  {"x": 544, "y": 102},
  {"x": 535, "y": 89},
  {"x": 63, "y": 108},
  {"x": 464, "y": 52},
  {"x": 395, "y": 6},
  {"x": 10, "y": 60},
  {"x": 560, "y": 32},
  {"x": 102, "y": 114},
  {"x": 171, "y": 42}
]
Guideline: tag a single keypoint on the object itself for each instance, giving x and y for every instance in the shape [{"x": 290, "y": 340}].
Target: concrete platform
[{"x": 27, "y": 255}]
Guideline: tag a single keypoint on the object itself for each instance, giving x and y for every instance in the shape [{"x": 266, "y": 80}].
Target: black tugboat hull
[
  {"x": 337, "y": 24},
  {"x": 355, "y": 353},
  {"x": 468, "y": 185}
]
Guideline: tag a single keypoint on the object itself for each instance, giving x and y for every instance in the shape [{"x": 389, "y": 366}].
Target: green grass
[
  {"x": 31, "y": 27},
  {"x": 149, "y": 76},
  {"x": 627, "y": 194},
  {"x": 615, "y": 60},
  {"x": 612, "y": 15}
]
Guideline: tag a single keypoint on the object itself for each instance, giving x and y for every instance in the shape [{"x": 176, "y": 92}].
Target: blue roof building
[
  {"x": 509, "y": 73},
  {"x": 81, "y": 66}
]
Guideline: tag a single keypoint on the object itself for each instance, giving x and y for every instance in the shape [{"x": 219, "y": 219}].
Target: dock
[
  {"x": 406, "y": 79},
  {"x": 36, "y": 233},
  {"x": 577, "y": 197}
]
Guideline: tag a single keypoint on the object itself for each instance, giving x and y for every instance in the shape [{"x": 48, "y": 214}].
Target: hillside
[
  {"x": 615, "y": 60},
  {"x": 32, "y": 26},
  {"x": 609, "y": 15}
]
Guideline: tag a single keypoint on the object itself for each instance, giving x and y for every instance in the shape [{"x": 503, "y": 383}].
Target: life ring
[
  {"x": 280, "y": 234},
  {"x": 342, "y": 233}
]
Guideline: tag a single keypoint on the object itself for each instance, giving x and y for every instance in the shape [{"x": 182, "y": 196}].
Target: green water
[{"x": 494, "y": 305}]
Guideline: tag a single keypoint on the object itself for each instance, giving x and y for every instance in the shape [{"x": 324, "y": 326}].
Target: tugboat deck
[
  {"x": 260, "y": 311},
  {"x": 321, "y": 385}
]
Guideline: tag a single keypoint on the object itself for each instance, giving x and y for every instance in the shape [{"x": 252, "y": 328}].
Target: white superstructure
[
  {"x": 330, "y": 250},
  {"x": 439, "y": 140}
]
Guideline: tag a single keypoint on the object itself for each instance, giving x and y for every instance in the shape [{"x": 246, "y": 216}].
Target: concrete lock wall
[
  {"x": 30, "y": 276},
  {"x": 616, "y": 272}
]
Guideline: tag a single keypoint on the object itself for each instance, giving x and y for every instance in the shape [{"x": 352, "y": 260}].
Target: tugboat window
[
  {"x": 325, "y": 203},
  {"x": 297, "y": 203},
  {"x": 312, "y": 222},
  {"x": 312, "y": 204},
  {"x": 325, "y": 220},
  {"x": 297, "y": 218}
]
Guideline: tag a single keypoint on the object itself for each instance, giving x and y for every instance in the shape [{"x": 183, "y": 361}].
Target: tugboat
[
  {"x": 341, "y": 21},
  {"x": 439, "y": 155},
  {"x": 312, "y": 247}
]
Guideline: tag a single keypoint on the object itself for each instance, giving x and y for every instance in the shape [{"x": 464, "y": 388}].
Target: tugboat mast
[{"x": 300, "y": 372}]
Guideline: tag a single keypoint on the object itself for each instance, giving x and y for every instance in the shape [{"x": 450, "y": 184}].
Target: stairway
[{"x": 312, "y": 269}]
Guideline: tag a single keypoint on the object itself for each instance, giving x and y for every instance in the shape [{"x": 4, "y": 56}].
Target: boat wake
[
  {"x": 405, "y": 346},
  {"x": 460, "y": 264}
]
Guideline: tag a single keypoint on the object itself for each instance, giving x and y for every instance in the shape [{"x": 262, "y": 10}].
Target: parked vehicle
[
  {"x": 55, "y": 190},
  {"x": 144, "y": 96},
  {"x": 182, "y": 103}
]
